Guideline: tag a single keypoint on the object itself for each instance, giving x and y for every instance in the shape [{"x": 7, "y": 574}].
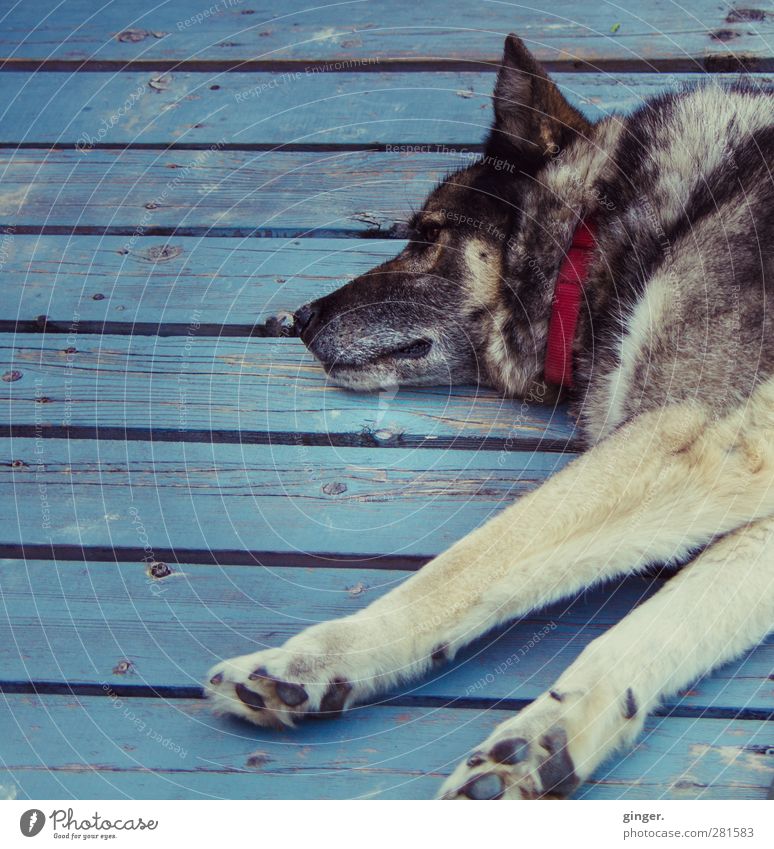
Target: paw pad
[
  {"x": 512, "y": 751},
  {"x": 291, "y": 694},
  {"x": 335, "y": 697},
  {"x": 518, "y": 767},
  {"x": 251, "y": 699},
  {"x": 487, "y": 786},
  {"x": 557, "y": 771}
]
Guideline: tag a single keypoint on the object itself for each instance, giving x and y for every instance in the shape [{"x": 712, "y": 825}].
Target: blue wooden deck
[{"x": 177, "y": 489}]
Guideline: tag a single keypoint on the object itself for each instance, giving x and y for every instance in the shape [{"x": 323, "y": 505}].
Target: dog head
[{"x": 450, "y": 308}]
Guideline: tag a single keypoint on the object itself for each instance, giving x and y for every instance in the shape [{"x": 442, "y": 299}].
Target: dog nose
[{"x": 306, "y": 317}]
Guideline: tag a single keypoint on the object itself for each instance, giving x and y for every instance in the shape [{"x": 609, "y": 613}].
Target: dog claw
[
  {"x": 476, "y": 759},
  {"x": 257, "y": 674},
  {"x": 335, "y": 697}
]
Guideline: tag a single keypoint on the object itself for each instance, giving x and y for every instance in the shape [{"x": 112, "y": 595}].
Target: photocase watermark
[
  {"x": 512, "y": 660},
  {"x": 65, "y": 824},
  {"x": 442, "y": 616},
  {"x": 70, "y": 352},
  {"x": 536, "y": 395},
  {"x": 169, "y": 188},
  {"x": 279, "y": 80},
  {"x": 385, "y": 398},
  {"x": 557, "y": 155},
  {"x": 194, "y": 325},
  {"x": 66, "y": 821},
  {"x": 305, "y": 454},
  {"x": 6, "y": 243},
  {"x": 149, "y": 555},
  {"x": 156, "y": 568},
  {"x": 204, "y": 14},
  {"x": 453, "y": 216},
  {"x": 40, "y": 452},
  {"x": 87, "y": 142},
  {"x": 31, "y": 822},
  {"x": 473, "y": 157},
  {"x": 141, "y": 725}
]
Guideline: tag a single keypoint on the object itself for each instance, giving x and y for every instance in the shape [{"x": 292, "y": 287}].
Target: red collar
[{"x": 573, "y": 275}]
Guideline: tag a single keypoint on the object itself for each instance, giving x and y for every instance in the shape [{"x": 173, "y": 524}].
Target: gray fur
[
  {"x": 682, "y": 194},
  {"x": 673, "y": 387}
]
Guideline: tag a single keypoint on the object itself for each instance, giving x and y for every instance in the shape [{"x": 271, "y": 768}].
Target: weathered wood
[
  {"x": 563, "y": 33},
  {"x": 255, "y": 498},
  {"x": 88, "y": 624},
  {"x": 142, "y": 192},
  {"x": 104, "y": 747},
  {"x": 266, "y": 494},
  {"x": 242, "y": 110},
  {"x": 270, "y": 390},
  {"x": 83, "y": 283}
]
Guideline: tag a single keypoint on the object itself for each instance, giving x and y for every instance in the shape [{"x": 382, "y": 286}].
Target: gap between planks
[
  {"x": 711, "y": 63},
  {"x": 211, "y": 232},
  {"x": 56, "y": 688},
  {"x": 202, "y": 598},
  {"x": 210, "y": 557},
  {"x": 362, "y": 439}
]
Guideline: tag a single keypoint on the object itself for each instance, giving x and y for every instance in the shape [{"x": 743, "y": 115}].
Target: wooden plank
[
  {"x": 255, "y": 498},
  {"x": 103, "y": 747},
  {"x": 182, "y": 283},
  {"x": 215, "y": 191},
  {"x": 79, "y": 624},
  {"x": 246, "y": 109},
  {"x": 145, "y": 192},
  {"x": 242, "y": 110},
  {"x": 562, "y": 33},
  {"x": 268, "y": 390},
  {"x": 90, "y": 281}
]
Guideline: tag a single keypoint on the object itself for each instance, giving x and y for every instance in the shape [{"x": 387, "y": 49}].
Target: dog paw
[
  {"x": 277, "y": 687},
  {"x": 525, "y": 758}
]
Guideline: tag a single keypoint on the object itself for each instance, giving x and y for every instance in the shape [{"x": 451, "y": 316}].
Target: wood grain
[
  {"x": 88, "y": 283},
  {"x": 243, "y": 499},
  {"x": 79, "y": 624},
  {"x": 433, "y": 34},
  {"x": 256, "y": 390},
  {"x": 102, "y": 747},
  {"x": 148, "y": 422},
  {"x": 242, "y": 110},
  {"x": 214, "y": 192}
]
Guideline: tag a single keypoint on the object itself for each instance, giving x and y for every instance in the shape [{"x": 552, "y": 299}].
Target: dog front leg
[
  {"x": 714, "y": 609},
  {"x": 660, "y": 486}
]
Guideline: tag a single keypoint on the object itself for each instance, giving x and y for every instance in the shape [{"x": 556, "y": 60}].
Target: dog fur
[{"x": 673, "y": 393}]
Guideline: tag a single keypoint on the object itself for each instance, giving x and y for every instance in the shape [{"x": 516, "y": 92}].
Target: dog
[{"x": 625, "y": 265}]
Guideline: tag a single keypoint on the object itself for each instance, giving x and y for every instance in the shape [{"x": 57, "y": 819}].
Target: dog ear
[{"x": 532, "y": 117}]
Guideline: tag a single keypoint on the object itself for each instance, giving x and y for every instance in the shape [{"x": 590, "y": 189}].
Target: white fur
[
  {"x": 654, "y": 488},
  {"x": 641, "y": 331},
  {"x": 660, "y": 486}
]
